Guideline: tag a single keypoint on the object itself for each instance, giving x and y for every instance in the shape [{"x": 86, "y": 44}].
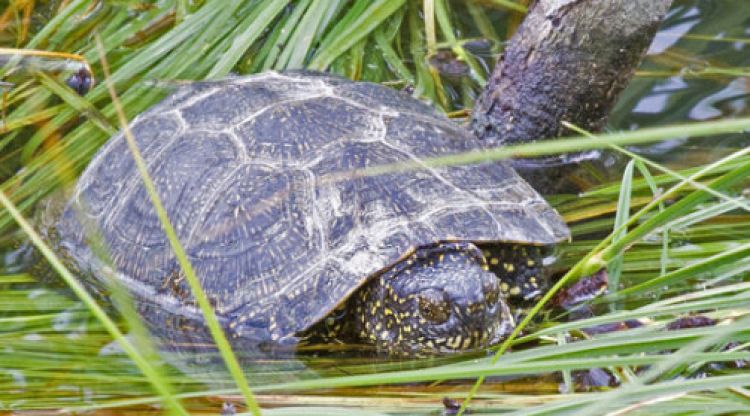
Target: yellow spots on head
[
  {"x": 454, "y": 342},
  {"x": 509, "y": 267},
  {"x": 530, "y": 263},
  {"x": 384, "y": 335},
  {"x": 515, "y": 290},
  {"x": 441, "y": 258},
  {"x": 494, "y": 261},
  {"x": 504, "y": 287},
  {"x": 486, "y": 253},
  {"x": 466, "y": 343}
]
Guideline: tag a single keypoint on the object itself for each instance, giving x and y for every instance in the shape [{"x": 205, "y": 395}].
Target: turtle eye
[
  {"x": 491, "y": 296},
  {"x": 433, "y": 306}
]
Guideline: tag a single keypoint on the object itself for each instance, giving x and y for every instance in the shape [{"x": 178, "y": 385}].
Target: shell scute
[
  {"x": 376, "y": 97},
  {"x": 259, "y": 228},
  {"x": 110, "y": 172},
  {"x": 183, "y": 176},
  {"x": 424, "y": 136},
  {"x": 292, "y": 130},
  {"x": 227, "y": 108}
]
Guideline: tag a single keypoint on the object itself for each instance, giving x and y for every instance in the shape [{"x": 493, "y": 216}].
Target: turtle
[{"x": 269, "y": 183}]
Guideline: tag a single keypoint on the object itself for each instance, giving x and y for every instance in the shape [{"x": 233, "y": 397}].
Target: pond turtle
[{"x": 265, "y": 179}]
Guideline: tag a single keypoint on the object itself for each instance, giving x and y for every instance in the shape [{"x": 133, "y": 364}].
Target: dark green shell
[{"x": 258, "y": 176}]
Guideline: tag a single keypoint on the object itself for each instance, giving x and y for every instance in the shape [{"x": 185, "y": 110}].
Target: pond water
[{"x": 697, "y": 69}]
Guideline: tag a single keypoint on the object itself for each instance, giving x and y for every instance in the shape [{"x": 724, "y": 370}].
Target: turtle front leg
[{"x": 520, "y": 270}]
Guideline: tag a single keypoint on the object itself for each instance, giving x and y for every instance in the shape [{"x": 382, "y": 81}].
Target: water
[{"x": 696, "y": 70}]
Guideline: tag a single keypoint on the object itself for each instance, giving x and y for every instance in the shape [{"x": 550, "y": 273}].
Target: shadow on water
[{"x": 697, "y": 69}]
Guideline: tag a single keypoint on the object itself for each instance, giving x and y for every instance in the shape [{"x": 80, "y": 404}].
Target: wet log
[{"x": 568, "y": 61}]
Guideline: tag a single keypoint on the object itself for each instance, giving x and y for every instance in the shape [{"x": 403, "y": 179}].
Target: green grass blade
[
  {"x": 160, "y": 383},
  {"x": 383, "y": 40},
  {"x": 665, "y": 232},
  {"x": 446, "y": 28},
  {"x": 268, "y": 56},
  {"x": 684, "y": 355},
  {"x": 296, "y": 50},
  {"x": 58, "y": 20},
  {"x": 678, "y": 209},
  {"x": 691, "y": 271},
  {"x": 621, "y": 217},
  {"x": 510, "y": 5},
  {"x": 254, "y": 26},
  {"x": 77, "y": 102},
  {"x": 361, "y": 26},
  {"x": 428, "y": 14},
  {"x": 670, "y": 172},
  {"x": 574, "y": 144}
]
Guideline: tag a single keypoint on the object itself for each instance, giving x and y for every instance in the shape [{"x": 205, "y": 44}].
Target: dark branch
[{"x": 569, "y": 61}]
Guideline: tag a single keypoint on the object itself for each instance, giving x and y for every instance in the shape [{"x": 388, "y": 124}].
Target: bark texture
[{"x": 569, "y": 61}]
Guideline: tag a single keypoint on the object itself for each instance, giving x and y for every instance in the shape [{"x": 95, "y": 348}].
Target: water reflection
[{"x": 696, "y": 70}]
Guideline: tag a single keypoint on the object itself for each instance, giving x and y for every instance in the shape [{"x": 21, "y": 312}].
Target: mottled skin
[
  {"x": 261, "y": 179},
  {"x": 441, "y": 299}
]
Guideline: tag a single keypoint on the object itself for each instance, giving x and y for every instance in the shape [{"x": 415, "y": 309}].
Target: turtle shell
[{"x": 262, "y": 178}]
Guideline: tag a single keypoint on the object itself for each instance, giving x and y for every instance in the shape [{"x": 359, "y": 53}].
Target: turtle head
[{"x": 441, "y": 299}]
